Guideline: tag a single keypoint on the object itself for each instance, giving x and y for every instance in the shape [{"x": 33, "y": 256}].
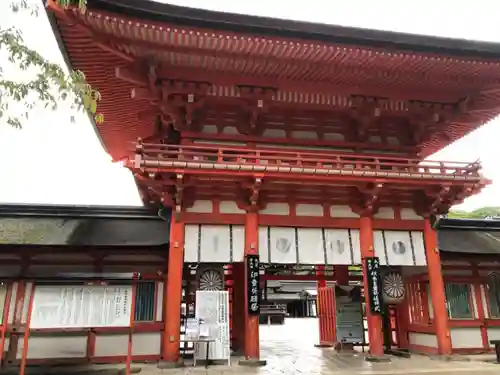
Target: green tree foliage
[
  {"x": 50, "y": 85},
  {"x": 479, "y": 213}
]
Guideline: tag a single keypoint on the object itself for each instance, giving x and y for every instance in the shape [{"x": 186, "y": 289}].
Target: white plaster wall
[
  {"x": 423, "y": 339},
  {"x": 342, "y": 211},
  {"x": 466, "y": 337},
  {"x": 334, "y": 137},
  {"x": 201, "y": 206},
  {"x": 230, "y": 130},
  {"x": 209, "y": 129},
  {"x": 409, "y": 214},
  {"x": 54, "y": 346},
  {"x": 274, "y": 133},
  {"x": 309, "y": 210},
  {"x": 384, "y": 213},
  {"x": 493, "y": 334},
  {"x": 276, "y": 209},
  {"x": 147, "y": 343},
  {"x": 304, "y": 134},
  {"x": 230, "y": 207},
  {"x": 393, "y": 141}
]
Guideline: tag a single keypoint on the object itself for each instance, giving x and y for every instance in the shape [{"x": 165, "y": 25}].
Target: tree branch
[{"x": 50, "y": 85}]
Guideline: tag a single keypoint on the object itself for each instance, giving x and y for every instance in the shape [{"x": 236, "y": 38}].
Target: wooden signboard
[
  {"x": 374, "y": 284},
  {"x": 253, "y": 284}
]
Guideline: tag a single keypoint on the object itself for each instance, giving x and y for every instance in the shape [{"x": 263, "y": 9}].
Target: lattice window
[
  {"x": 458, "y": 301},
  {"x": 493, "y": 292},
  {"x": 3, "y": 301},
  {"x": 145, "y": 302},
  {"x": 417, "y": 292}
]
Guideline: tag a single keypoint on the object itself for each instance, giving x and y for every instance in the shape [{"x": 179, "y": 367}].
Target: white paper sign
[
  {"x": 212, "y": 308},
  {"x": 204, "y": 331},
  {"x": 192, "y": 329},
  {"x": 81, "y": 306}
]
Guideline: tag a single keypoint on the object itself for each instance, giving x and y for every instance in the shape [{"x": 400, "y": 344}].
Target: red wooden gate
[{"x": 326, "y": 315}]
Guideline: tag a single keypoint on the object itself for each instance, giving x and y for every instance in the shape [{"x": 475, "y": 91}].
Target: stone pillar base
[
  {"x": 344, "y": 347},
  {"x": 377, "y": 359},
  {"x": 252, "y": 362},
  {"x": 324, "y": 345},
  {"x": 170, "y": 364}
]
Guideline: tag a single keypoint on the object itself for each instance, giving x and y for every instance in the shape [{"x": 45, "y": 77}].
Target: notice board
[
  {"x": 212, "y": 311},
  {"x": 80, "y": 306}
]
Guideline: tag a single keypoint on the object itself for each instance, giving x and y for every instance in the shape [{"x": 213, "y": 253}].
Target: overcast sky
[{"x": 52, "y": 160}]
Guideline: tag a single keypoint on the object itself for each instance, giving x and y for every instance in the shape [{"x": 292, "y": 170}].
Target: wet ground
[{"x": 289, "y": 350}]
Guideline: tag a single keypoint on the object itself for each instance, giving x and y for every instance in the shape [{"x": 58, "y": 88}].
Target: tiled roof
[
  {"x": 469, "y": 241},
  {"x": 81, "y": 226}
]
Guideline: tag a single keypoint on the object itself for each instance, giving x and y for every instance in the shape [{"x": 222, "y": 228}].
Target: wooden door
[{"x": 326, "y": 314}]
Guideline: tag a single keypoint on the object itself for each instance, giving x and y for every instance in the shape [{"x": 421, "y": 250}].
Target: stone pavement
[{"x": 289, "y": 350}]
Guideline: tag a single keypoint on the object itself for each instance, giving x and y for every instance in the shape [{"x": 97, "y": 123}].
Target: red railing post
[{"x": 153, "y": 155}]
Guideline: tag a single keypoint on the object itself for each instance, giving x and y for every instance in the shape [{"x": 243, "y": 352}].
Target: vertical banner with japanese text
[
  {"x": 374, "y": 284},
  {"x": 253, "y": 284}
]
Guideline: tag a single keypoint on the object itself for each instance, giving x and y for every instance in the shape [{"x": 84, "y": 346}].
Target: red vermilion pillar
[
  {"x": 436, "y": 285},
  {"x": 320, "y": 274},
  {"x": 252, "y": 347},
  {"x": 173, "y": 293},
  {"x": 374, "y": 321},
  {"x": 342, "y": 275}
]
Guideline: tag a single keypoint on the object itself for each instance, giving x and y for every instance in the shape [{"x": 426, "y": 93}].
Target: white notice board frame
[
  {"x": 81, "y": 306},
  {"x": 42, "y": 321},
  {"x": 212, "y": 308}
]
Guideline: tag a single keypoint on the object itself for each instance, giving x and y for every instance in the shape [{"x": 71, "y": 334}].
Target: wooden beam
[
  {"x": 133, "y": 76},
  {"x": 231, "y": 79},
  {"x": 325, "y": 67},
  {"x": 405, "y": 150}
]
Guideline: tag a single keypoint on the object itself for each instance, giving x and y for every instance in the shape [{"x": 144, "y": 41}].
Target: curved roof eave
[
  {"x": 161, "y": 12},
  {"x": 467, "y": 224},
  {"x": 64, "y": 52}
]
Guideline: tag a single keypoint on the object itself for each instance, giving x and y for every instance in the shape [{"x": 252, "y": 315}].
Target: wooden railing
[{"x": 192, "y": 157}]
